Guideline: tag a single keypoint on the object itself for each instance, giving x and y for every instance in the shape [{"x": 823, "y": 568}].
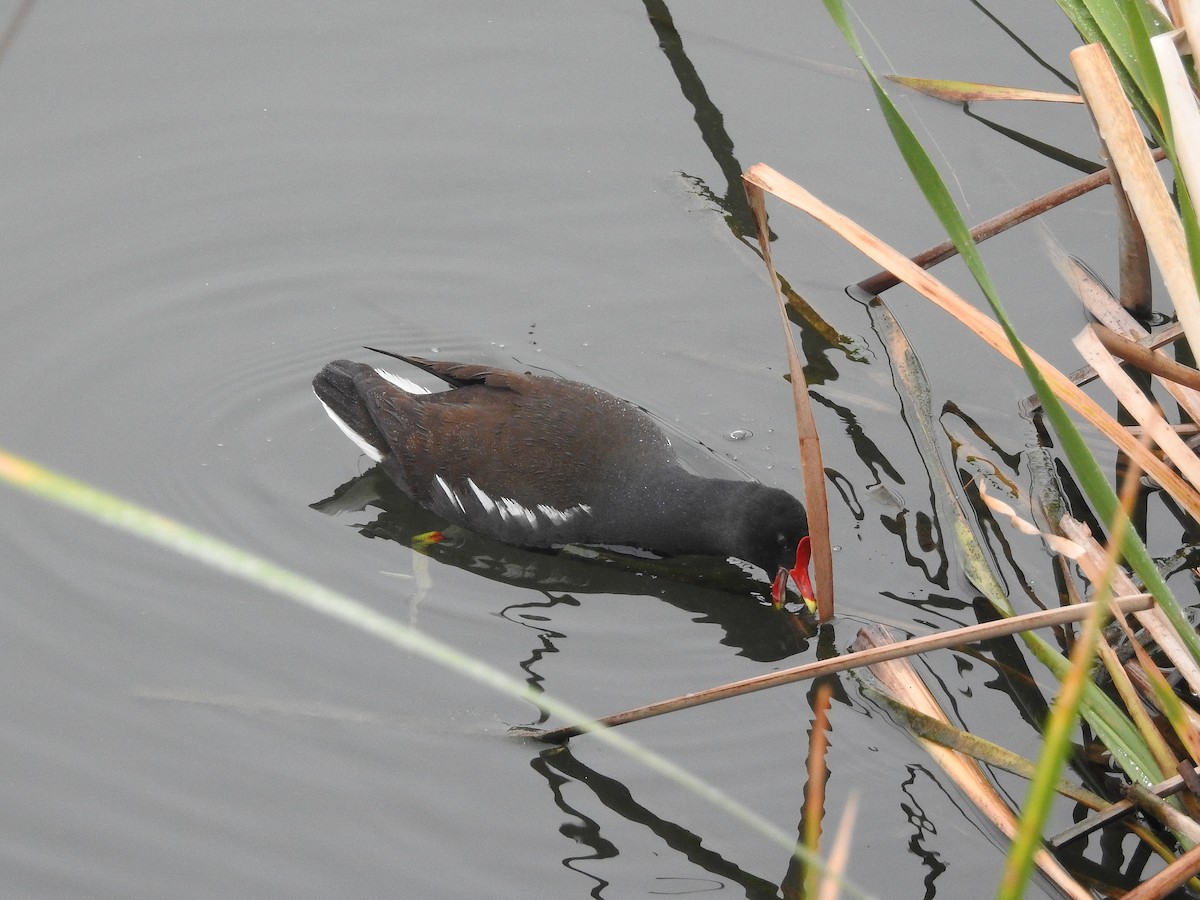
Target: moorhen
[{"x": 539, "y": 461}]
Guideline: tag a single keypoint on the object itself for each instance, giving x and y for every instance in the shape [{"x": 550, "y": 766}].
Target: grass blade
[{"x": 121, "y": 514}]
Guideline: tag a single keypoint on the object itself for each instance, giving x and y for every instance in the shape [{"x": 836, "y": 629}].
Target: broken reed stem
[
  {"x": 1083, "y": 375},
  {"x": 885, "y": 280},
  {"x": 1147, "y": 360},
  {"x": 939, "y": 641},
  {"x": 1111, "y": 814}
]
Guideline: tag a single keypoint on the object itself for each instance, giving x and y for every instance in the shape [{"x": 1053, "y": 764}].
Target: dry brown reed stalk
[
  {"x": 899, "y": 679},
  {"x": 884, "y": 280},
  {"x": 1083, "y": 375},
  {"x": 818, "y": 770},
  {"x": 1134, "y": 256},
  {"x": 1148, "y": 360},
  {"x": 1111, "y": 314},
  {"x": 815, "y": 496},
  {"x": 1114, "y": 812},
  {"x": 1150, "y": 803},
  {"x": 1187, "y": 429},
  {"x": 1047, "y": 618},
  {"x": 987, "y": 329},
  {"x": 1130, "y": 396}
]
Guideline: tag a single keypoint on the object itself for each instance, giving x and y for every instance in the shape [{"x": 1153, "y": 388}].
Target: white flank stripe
[
  {"x": 352, "y": 434},
  {"x": 410, "y": 387},
  {"x": 509, "y": 510},
  {"x": 517, "y": 511},
  {"x": 486, "y": 501},
  {"x": 557, "y": 516},
  {"x": 441, "y": 482},
  {"x": 563, "y": 516}
]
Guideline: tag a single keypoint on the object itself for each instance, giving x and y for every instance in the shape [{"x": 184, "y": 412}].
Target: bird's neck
[{"x": 684, "y": 514}]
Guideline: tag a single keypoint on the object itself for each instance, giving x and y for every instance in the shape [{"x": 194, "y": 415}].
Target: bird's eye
[{"x": 780, "y": 538}]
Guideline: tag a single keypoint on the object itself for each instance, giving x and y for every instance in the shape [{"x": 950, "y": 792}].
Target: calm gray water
[{"x": 203, "y": 203}]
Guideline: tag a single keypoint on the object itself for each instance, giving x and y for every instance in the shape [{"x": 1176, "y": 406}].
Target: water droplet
[{"x": 740, "y": 434}]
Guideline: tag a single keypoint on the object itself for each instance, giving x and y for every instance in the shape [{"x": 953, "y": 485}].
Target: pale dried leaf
[
  {"x": 1144, "y": 186},
  {"x": 1095, "y": 295},
  {"x": 967, "y": 91}
]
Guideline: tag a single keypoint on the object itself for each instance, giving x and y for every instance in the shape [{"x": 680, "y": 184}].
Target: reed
[{"x": 1139, "y": 87}]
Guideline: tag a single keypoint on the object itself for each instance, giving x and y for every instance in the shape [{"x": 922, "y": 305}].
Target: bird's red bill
[{"x": 798, "y": 574}]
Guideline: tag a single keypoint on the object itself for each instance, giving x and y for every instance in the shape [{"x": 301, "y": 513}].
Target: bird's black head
[
  {"x": 776, "y": 523},
  {"x": 774, "y": 536}
]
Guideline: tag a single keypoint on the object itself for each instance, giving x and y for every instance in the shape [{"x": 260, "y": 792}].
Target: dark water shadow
[
  {"x": 560, "y": 766},
  {"x": 713, "y": 591},
  {"x": 1011, "y": 33},
  {"x": 708, "y": 118}
]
